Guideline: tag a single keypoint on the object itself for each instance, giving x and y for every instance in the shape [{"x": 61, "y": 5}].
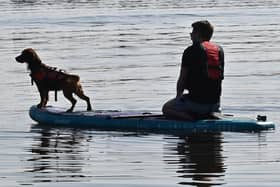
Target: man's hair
[{"x": 204, "y": 28}]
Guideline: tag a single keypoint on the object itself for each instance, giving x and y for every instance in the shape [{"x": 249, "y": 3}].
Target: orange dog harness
[{"x": 48, "y": 74}]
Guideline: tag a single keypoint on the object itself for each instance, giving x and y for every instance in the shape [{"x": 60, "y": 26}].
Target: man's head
[{"x": 202, "y": 31}]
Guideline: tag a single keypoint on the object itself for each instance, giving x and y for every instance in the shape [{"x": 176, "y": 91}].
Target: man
[{"x": 201, "y": 75}]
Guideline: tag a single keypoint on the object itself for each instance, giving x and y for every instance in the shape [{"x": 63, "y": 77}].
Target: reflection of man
[
  {"x": 201, "y": 75},
  {"x": 203, "y": 162}
]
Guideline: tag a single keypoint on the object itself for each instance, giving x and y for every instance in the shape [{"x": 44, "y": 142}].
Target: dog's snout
[{"x": 19, "y": 59}]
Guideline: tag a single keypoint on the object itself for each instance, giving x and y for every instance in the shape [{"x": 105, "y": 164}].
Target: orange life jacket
[
  {"x": 214, "y": 68},
  {"x": 48, "y": 74}
]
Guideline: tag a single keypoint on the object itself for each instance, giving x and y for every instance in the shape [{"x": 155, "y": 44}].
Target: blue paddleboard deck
[{"x": 142, "y": 120}]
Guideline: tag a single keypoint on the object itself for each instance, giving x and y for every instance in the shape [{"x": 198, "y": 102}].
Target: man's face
[{"x": 195, "y": 37}]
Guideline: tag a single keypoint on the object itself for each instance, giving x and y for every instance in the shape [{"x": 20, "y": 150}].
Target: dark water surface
[{"x": 128, "y": 54}]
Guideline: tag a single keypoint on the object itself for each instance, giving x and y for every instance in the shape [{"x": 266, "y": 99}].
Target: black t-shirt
[{"x": 201, "y": 88}]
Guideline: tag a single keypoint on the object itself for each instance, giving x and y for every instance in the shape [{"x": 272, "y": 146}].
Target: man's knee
[{"x": 165, "y": 108}]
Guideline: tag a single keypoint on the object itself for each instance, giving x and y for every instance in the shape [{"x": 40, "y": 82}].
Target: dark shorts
[{"x": 184, "y": 104}]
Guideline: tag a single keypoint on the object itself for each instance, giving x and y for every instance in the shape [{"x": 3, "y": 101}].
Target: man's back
[{"x": 203, "y": 86}]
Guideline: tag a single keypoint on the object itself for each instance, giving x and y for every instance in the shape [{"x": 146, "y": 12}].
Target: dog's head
[{"x": 28, "y": 56}]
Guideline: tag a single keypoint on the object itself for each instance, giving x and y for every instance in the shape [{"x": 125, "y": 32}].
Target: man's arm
[
  {"x": 222, "y": 60},
  {"x": 182, "y": 80}
]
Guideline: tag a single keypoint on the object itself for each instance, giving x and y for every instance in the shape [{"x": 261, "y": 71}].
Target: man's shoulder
[{"x": 192, "y": 48}]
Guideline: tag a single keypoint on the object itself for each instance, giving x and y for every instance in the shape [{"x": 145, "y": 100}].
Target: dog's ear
[{"x": 31, "y": 56}]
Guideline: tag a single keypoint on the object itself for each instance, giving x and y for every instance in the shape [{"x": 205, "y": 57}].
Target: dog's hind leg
[
  {"x": 79, "y": 92},
  {"x": 70, "y": 97}
]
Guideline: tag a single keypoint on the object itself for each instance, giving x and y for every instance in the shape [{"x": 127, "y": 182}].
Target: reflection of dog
[{"x": 48, "y": 78}]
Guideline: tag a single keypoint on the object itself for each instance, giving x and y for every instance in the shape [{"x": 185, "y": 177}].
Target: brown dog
[{"x": 48, "y": 78}]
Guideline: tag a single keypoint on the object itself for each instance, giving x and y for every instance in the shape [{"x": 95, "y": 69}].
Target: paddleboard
[{"x": 143, "y": 120}]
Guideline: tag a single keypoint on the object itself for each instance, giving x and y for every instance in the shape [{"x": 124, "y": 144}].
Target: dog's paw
[
  {"x": 39, "y": 105},
  {"x": 69, "y": 110}
]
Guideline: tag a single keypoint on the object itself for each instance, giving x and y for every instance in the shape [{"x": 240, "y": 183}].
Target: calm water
[{"x": 128, "y": 54}]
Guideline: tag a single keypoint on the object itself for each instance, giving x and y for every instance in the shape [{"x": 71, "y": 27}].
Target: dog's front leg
[
  {"x": 45, "y": 101},
  {"x": 44, "y": 98}
]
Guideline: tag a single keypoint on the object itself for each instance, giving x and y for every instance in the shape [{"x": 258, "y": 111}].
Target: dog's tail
[{"x": 76, "y": 78}]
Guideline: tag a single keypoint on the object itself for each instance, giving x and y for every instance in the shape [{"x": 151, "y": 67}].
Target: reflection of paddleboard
[{"x": 142, "y": 120}]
